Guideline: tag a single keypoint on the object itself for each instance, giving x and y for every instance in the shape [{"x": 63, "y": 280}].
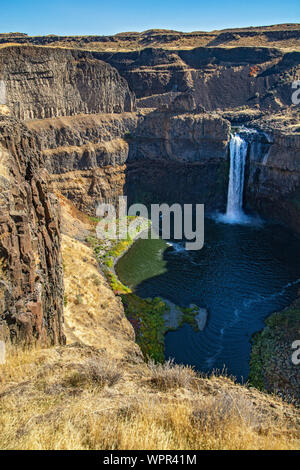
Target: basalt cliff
[{"x": 83, "y": 122}]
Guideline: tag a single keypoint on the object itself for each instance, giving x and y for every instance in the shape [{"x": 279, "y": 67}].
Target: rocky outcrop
[
  {"x": 48, "y": 83},
  {"x": 87, "y": 188},
  {"x": 83, "y": 142},
  {"x": 86, "y": 156},
  {"x": 262, "y": 76},
  {"x": 274, "y": 358},
  {"x": 157, "y": 101},
  {"x": 31, "y": 278},
  {"x": 43, "y": 82}
]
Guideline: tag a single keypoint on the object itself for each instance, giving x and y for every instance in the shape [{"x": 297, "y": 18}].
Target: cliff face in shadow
[
  {"x": 273, "y": 180},
  {"x": 179, "y": 156},
  {"x": 180, "y": 135},
  {"x": 166, "y": 155}
]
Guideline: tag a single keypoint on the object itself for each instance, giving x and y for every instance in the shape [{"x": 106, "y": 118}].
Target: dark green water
[{"x": 242, "y": 274}]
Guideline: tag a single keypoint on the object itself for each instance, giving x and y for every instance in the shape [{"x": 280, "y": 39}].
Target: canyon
[{"x": 146, "y": 115}]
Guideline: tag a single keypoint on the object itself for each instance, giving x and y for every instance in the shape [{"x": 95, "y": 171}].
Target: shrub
[
  {"x": 96, "y": 280},
  {"x": 101, "y": 372},
  {"x": 218, "y": 412},
  {"x": 170, "y": 375},
  {"x": 254, "y": 70},
  {"x": 78, "y": 300},
  {"x": 109, "y": 262}
]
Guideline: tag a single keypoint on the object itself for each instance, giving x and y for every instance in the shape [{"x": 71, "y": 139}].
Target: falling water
[{"x": 238, "y": 152}]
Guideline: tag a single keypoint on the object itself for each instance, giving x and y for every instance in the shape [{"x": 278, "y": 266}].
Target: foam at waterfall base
[{"x": 238, "y": 219}]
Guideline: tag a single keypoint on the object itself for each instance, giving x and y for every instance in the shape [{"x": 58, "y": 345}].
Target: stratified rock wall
[
  {"x": 44, "y": 82},
  {"x": 218, "y": 78},
  {"x": 183, "y": 137},
  {"x": 166, "y": 155},
  {"x": 83, "y": 142}
]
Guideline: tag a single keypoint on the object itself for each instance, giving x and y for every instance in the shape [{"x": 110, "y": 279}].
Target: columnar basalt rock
[
  {"x": 183, "y": 137},
  {"x": 41, "y": 83},
  {"x": 83, "y": 142},
  {"x": 273, "y": 181},
  {"x": 44, "y": 83},
  {"x": 31, "y": 278}
]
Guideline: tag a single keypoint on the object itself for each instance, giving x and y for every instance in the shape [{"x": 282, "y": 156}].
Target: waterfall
[
  {"x": 238, "y": 152},
  {"x": 238, "y": 147}
]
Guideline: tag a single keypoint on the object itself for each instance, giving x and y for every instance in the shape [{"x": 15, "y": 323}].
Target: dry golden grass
[
  {"x": 93, "y": 314},
  {"x": 74, "y": 215},
  {"x": 8, "y": 44},
  {"x": 170, "y": 375},
  {"x": 76, "y": 397}
]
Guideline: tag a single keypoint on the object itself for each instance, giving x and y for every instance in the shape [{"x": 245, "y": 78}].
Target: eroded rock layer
[
  {"x": 164, "y": 155},
  {"x": 42, "y": 83},
  {"x": 218, "y": 78}
]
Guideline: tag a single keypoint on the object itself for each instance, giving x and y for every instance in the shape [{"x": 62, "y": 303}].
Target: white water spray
[{"x": 238, "y": 152}]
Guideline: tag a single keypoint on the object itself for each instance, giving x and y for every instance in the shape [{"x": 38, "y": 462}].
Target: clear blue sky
[{"x": 69, "y": 17}]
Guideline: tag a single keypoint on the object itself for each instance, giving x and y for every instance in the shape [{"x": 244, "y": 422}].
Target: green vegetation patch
[
  {"x": 107, "y": 252},
  {"x": 145, "y": 315},
  {"x": 279, "y": 327},
  {"x": 147, "y": 319},
  {"x": 188, "y": 316}
]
